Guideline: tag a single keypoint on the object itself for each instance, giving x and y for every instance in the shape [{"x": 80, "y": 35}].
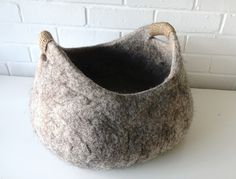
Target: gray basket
[{"x": 115, "y": 104}]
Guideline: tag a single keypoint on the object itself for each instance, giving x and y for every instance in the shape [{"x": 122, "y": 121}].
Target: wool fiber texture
[{"x": 111, "y": 105}]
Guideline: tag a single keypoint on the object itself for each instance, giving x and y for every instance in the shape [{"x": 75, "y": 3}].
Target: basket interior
[{"x": 120, "y": 70}]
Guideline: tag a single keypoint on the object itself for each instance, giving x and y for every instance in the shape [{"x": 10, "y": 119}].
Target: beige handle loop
[
  {"x": 44, "y": 38},
  {"x": 160, "y": 28}
]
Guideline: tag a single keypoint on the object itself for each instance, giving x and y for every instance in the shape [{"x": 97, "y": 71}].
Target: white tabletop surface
[{"x": 208, "y": 151}]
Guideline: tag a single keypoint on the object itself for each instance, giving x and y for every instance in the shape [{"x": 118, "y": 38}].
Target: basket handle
[
  {"x": 160, "y": 28},
  {"x": 44, "y": 38}
]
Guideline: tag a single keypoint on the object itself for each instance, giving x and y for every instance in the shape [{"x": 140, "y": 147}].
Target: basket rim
[
  {"x": 160, "y": 86},
  {"x": 174, "y": 68}
]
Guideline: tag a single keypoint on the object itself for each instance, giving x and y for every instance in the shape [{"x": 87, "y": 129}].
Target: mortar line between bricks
[
  {"x": 210, "y": 65},
  {"x": 221, "y": 74},
  {"x": 86, "y": 17},
  {"x": 154, "y": 8},
  {"x": 155, "y": 16},
  {"x": 222, "y": 23},
  {"x": 195, "y": 5},
  {"x": 86, "y": 3},
  {"x": 122, "y": 6},
  {"x": 81, "y": 27},
  {"x": 209, "y": 34},
  {"x": 30, "y": 54},
  {"x": 212, "y": 74},
  {"x": 124, "y": 2},
  {"x": 119, "y": 6},
  {"x": 185, "y": 44},
  {"x": 17, "y": 44},
  {"x": 94, "y": 28},
  {"x": 19, "y": 12},
  {"x": 77, "y": 26},
  {"x": 234, "y": 85},
  {"x": 208, "y": 55},
  {"x": 70, "y": 26},
  {"x": 57, "y": 36},
  {"x": 92, "y": 4},
  {"x": 185, "y": 41},
  {"x": 8, "y": 71},
  {"x": 26, "y": 44},
  {"x": 172, "y": 9},
  {"x": 195, "y": 54}
]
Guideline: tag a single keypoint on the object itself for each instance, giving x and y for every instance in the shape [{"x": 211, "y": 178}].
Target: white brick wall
[
  {"x": 197, "y": 63},
  {"x": 5, "y": 16},
  {"x": 230, "y": 24},
  {"x": 53, "y": 13},
  {"x": 22, "y": 33},
  {"x": 171, "y": 4},
  {"x": 3, "y": 69},
  {"x": 14, "y": 53},
  {"x": 217, "y": 5},
  {"x": 206, "y": 30},
  {"x": 203, "y": 22},
  {"x": 119, "y": 17},
  {"x": 227, "y": 62},
  {"x": 21, "y": 69},
  {"x": 221, "y": 45},
  {"x": 74, "y": 37}
]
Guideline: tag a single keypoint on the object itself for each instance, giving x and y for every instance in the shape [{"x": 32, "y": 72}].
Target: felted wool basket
[{"x": 115, "y": 104}]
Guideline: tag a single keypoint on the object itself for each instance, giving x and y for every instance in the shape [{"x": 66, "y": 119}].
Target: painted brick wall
[{"x": 206, "y": 30}]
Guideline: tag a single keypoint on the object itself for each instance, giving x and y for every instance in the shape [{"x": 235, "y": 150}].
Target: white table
[{"x": 208, "y": 151}]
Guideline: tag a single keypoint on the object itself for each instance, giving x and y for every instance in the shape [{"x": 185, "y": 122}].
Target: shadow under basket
[{"x": 115, "y": 104}]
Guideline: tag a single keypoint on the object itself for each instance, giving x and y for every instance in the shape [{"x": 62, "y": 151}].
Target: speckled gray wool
[{"x": 112, "y": 105}]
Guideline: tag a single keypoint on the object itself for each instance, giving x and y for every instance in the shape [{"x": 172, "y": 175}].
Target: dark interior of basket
[{"x": 118, "y": 70}]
